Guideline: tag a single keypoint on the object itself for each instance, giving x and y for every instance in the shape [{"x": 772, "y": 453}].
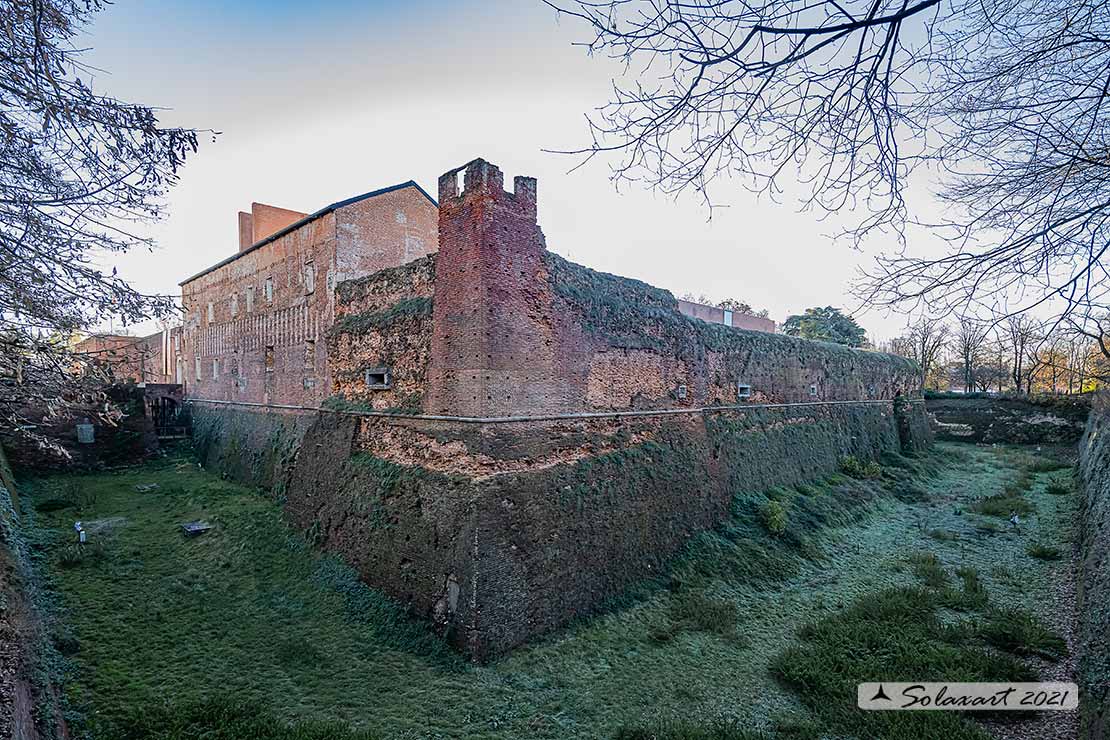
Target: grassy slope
[{"x": 248, "y": 611}]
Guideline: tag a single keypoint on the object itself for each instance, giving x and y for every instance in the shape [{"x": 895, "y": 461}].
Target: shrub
[
  {"x": 81, "y": 495},
  {"x": 774, "y": 517},
  {"x": 74, "y": 554},
  {"x": 971, "y": 595},
  {"x": 1058, "y": 487},
  {"x": 694, "y": 610},
  {"x": 1003, "y": 505},
  {"x": 1044, "y": 552},
  {"x": 928, "y": 569},
  {"x": 1017, "y": 631},
  {"x": 855, "y": 468},
  {"x": 893, "y": 632},
  {"x": 943, "y": 535},
  {"x": 1047, "y": 465},
  {"x": 909, "y": 492}
]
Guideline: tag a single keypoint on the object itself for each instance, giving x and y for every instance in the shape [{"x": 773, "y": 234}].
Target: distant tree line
[{"x": 1018, "y": 355}]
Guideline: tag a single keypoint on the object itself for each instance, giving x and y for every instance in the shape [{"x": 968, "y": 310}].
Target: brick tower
[{"x": 492, "y": 348}]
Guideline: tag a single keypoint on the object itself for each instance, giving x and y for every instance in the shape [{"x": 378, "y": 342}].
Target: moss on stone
[
  {"x": 382, "y": 281},
  {"x": 631, "y": 314},
  {"x": 363, "y": 323}
]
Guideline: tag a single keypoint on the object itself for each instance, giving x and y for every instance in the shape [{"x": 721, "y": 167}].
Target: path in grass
[{"x": 249, "y": 611}]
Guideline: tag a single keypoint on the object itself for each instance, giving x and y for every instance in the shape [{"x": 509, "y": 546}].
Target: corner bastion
[{"x": 513, "y": 439}]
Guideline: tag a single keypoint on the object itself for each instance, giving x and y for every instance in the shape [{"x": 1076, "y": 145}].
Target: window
[
  {"x": 681, "y": 392},
  {"x": 211, "y": 312},
  {"x": 234, "y": 304},
  {"x": 309, "y": 278},
  {"x": 270, "y": 358},
  {"x": 197, "y": 363},
  {"x": 176, "y": 343},
  {"x": 743, "y": 390},
  {"x": 250, "y": 299},
  {"x": 728, "y": 317},
  {"x": 215, "y": 368},
  {"x": 310, "y": 354},
  {"x": 268, "y": 290},
  {"x": 377, "y": 378},
  {"x": 813, "y": 390}
]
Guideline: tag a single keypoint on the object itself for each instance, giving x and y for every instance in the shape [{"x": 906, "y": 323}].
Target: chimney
[{"x": 246, "y": 231}]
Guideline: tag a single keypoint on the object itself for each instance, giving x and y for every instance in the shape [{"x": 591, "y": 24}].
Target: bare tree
[
  {"x": 968, "y": 343},
  {"x": 81, "y": 169},
  {"x": 1004, "y": 99},
  {"x": 1024, "y": 336},
  {"x": 924, "y": 344}
]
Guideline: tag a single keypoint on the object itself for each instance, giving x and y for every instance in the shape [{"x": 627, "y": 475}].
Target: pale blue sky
[{"x": 316, "y": 102}]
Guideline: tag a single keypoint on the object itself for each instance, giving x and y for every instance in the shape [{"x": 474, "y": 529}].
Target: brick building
[
  {"x": 150, "y": 359},
  {"x": 257, "y": 324},
  {"x": 254, "y": 323}
]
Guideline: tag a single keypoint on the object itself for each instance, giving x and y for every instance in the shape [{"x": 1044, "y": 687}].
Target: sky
[{"x": 316, "y": 102}]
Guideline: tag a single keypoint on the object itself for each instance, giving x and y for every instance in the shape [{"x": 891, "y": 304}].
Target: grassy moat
[{"x": 905, "y": 571}]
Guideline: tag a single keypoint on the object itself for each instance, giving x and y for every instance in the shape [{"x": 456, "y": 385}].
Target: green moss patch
[{"x": 363, "y": 323}]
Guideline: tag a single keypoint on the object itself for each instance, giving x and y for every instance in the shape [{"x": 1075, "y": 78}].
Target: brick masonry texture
[
  {"x": 497, "y": 531},
  {"x": 255, "y": 325}
]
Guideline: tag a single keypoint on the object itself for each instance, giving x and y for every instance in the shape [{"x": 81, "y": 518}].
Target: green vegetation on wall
[
  {"x": 631, "y": 314},
  {"x": 383, "y": 281},
  {"x": 363, "y": 323}
]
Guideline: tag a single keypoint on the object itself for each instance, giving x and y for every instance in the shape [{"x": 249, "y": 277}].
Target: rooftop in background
[{"x": 264, "y": 217}]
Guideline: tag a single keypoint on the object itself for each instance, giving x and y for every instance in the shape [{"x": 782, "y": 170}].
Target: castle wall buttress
[{"x": 494, "y": 346}]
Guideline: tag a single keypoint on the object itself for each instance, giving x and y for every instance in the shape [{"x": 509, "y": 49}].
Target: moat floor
[{"x": 143, "y": 618}]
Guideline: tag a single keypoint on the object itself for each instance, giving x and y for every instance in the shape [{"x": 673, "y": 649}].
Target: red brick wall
[
  {"x": 494, "y": 349},
  {"x": 274, "y": 351},
  {"x": 520, "y": 331},
  {"x": 384, "y": 320},
  {"x": 392, "y": 229}
]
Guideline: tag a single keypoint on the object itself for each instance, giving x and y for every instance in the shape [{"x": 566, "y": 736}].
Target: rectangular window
[
  {"x": 211, "y": 313},
  {"x": 196, "y": 362},
  {"x": 270, "y": 358},
  {"x": 310, "y": 354},
  {"x": 268, "y": 290},
  {"x": 176, "y": 343},
  {"x": 743, "y": 391},
  {"x": 813, "y": 390},
  {"x": 234, "y": 304},
  {"x": 377, "y": 378},
  {"x": 215, "y": 368},
  {"x": 728, "y": 317},
  {"x": 250, "y": 299},
  {"x": 309, "y": 278}
]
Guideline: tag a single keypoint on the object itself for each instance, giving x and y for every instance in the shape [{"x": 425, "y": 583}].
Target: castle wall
[
  {"x": 500, "y": 532},
  {"x": 564, "y": 432},
  {"x": 1094, "y": 576},
  {"x": 383, "y": 322},
  {"x": 518, "y": 330}
]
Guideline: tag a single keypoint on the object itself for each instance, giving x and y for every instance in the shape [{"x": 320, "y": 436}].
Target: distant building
[
  {"x": 736, "y": 319},
  {"x": 150, "y": 359}
]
